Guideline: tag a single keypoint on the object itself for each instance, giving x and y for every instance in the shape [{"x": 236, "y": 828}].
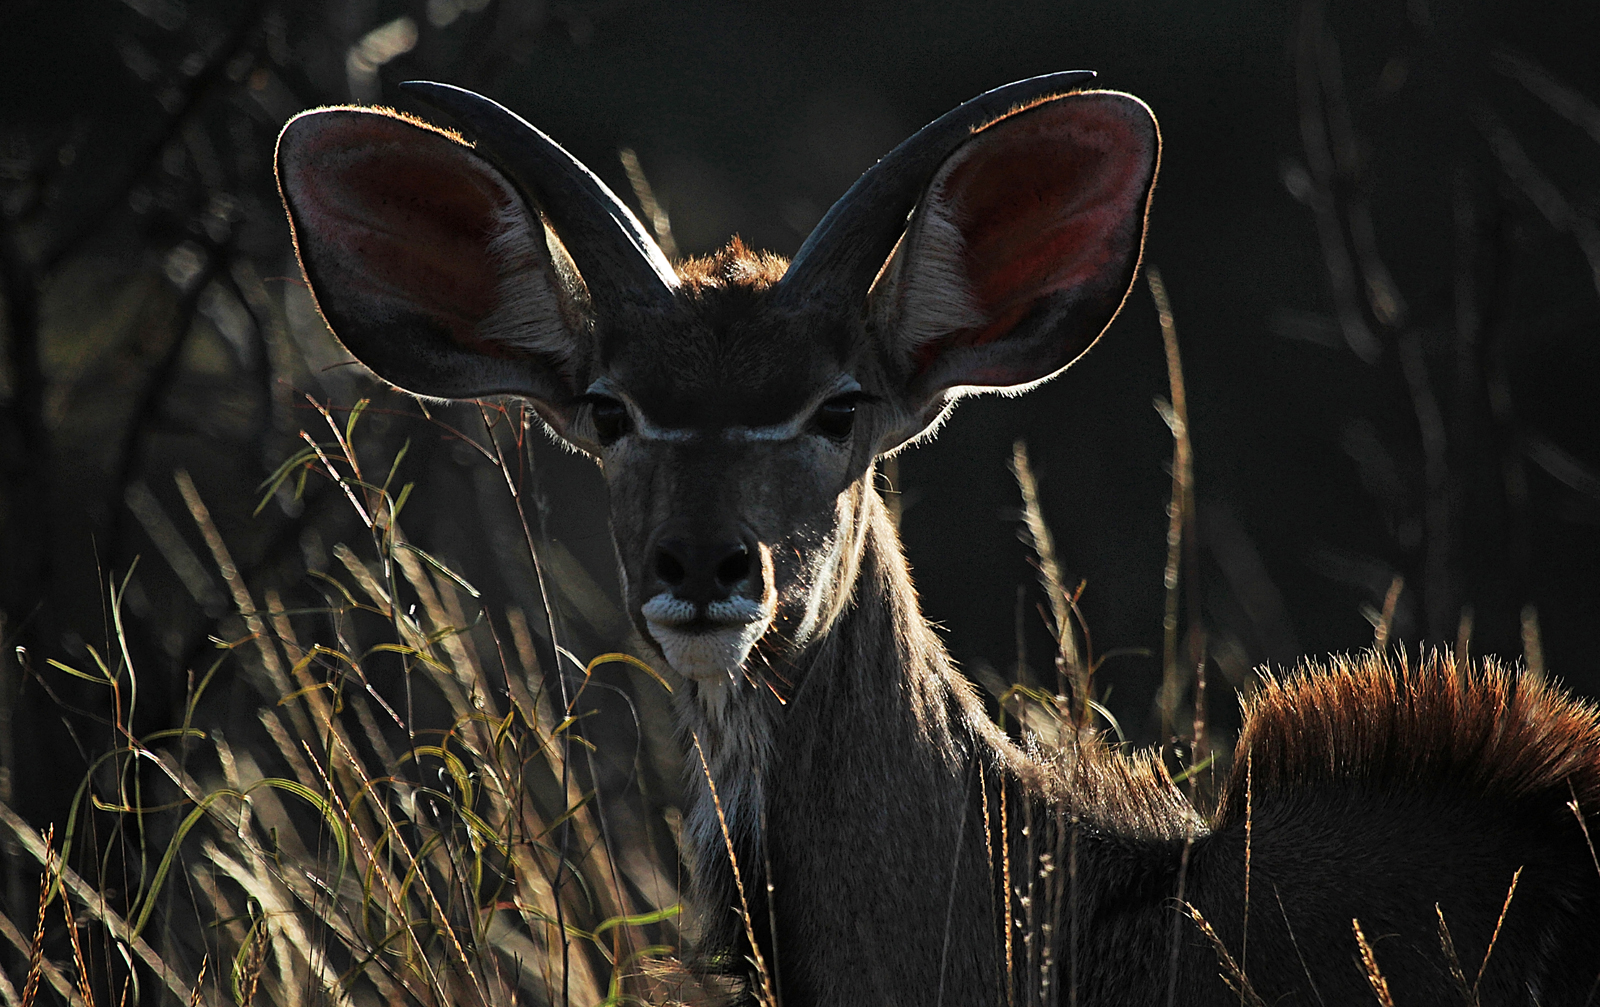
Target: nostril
[
  {"x": 669, "y": 568},
  {"x": 734, "y": 568}
]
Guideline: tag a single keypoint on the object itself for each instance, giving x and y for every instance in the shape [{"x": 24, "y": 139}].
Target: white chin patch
[{"x": 706, "y": 654}]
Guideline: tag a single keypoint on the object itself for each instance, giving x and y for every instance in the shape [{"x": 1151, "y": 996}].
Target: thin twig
[
  {"x": 1435, "y": 467},
  {"x": 1182, "y": 542},
  {"x": 30, "y": 986},
  {"x": 158, "y": 384},
  {"x": 1385, "y": 627},
  {"x": 1447, "y": 945},
  {"x": 955, "y": 872},
  {"x": 1235, "y": 977},
  {"x": 1496, "y": 935},
  {"x": 534, "y": 556},
  {"x": 1532, "y": 644},
  {"x": 1175, "y": 938},
  {"x": 1571, "y": 105},
  {"x": 738, "y": 881},
  {"x": 1315, "y": 69},
  {"x": 1289, "y": 928},
  {"x": 1069, "y": 659},
  {"x": 1577, "y": 812},
  {"x": 1249, "y": 835},
  {"x": 1556, "y": 208},
  {"x": 654, "y": 212},
  {"x": 1005, "y": 867},
  {"x": 1463, "y": 649},
  {"x": 772, "y": 905},
  {"x": 85, "y": 990}
]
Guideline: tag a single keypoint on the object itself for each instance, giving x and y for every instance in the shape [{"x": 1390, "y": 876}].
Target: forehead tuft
[
  {"x": 723, "y": 357},
  {"x": 734, "y": 265}
]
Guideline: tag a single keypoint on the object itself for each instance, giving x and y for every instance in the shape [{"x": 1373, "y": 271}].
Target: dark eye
[
  {"x": 837, "y": 417},
  {"x": 611, "y": 419}
]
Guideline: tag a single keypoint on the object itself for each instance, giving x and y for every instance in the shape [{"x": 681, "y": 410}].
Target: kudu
[{"x": 737, "y": 406}]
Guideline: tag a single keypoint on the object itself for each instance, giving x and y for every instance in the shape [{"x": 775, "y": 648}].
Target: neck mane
[{"x": 882, "y": 772}]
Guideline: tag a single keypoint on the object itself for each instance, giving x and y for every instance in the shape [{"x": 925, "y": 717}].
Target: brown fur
[
  {"x": 733, "y": 265},
  {"x": 1379, "y": 723},
  {"x": 1376, "y": 790},
  {"x": 1395, "y": 790}
]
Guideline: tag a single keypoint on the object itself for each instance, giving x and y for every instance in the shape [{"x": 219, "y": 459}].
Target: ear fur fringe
[
  {"x": 528, "y": 314},
  {"x": 936, "y": 298}
]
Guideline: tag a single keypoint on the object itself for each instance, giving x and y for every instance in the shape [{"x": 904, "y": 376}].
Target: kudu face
[
  {"x": 735, "y": 486},
  {"x": 736, "y": 406}
]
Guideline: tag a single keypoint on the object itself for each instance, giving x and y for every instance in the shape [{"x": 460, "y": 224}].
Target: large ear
[
  {"x": 426, "y": 262},
  {"x": 1022, "y": 249}
]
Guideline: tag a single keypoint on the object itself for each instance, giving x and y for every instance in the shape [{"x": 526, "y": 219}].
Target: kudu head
[{"x": 736, "y": 405}]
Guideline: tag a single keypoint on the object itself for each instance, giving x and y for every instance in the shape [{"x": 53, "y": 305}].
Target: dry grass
[
  {"x": 1369, "y": 962},
  {"x": 450, "y": 849},
  {"x": 411, "y": 819}
]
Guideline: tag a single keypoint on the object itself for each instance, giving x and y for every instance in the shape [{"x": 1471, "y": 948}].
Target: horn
[
  {"x": 613, "y": 252},
  {"x": 846, "y": 249}
]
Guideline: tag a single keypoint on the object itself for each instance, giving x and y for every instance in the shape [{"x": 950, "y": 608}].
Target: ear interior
[
  {"x": 1024, "y": 245},
  {"x": 426, "y": 263}
]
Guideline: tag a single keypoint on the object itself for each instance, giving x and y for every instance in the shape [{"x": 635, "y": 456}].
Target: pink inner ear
[
  {"x": 408, "y": 212},
  {"x": 1044, "y": 200}
]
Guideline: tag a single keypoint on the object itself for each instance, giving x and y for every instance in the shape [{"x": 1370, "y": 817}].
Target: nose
[{"x": 703, "y": 571}]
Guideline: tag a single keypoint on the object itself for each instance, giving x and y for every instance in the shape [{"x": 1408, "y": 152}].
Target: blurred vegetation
[{"x": 1378, "y": 230}]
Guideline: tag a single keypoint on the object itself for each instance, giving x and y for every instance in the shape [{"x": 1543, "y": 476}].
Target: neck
[{"x": 876, "y": 802}]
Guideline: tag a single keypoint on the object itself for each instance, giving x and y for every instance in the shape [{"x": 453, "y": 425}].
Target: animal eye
[
  {"x": 837, "y": 417},
  {"x": 611, "y": 420}
]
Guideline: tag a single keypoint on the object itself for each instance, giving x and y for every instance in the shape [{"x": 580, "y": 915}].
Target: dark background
[{"x": 1377, "y": 223}]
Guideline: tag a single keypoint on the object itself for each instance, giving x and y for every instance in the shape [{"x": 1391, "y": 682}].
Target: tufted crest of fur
[
  {"x": 1402, "y": 792},
  {"x": 1365, "y": 721}
]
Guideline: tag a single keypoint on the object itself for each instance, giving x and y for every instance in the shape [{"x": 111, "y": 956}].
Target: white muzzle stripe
[{"x": 731, "y": 629}]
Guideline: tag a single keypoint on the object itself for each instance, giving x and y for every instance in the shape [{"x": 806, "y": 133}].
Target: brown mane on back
[{"x": 1380, "y": 724}]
